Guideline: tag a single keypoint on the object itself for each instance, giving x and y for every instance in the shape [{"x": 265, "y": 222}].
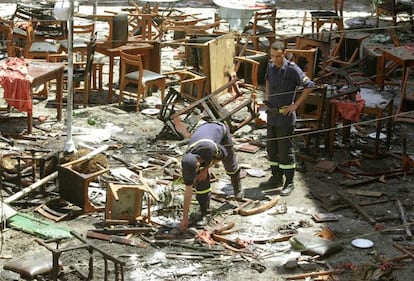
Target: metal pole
[{"x": 69, "y": 146}]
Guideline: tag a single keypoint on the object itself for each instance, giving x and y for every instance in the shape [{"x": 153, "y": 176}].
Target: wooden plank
[{"x": 221, "y": 54}]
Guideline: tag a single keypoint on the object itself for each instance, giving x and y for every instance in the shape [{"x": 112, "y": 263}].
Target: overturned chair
[{"x": 228, "y": 104}]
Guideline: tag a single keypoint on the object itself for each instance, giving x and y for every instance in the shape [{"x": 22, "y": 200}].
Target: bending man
[{"x": 211, "y": 142}]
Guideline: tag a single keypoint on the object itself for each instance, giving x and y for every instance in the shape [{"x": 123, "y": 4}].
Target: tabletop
[
  {"x": 160, "y": 1},
  {"x": 38, "y": 69},
  {"x": 238, "y": 13},
  {"x": 245, "y": 4},
  {"x": 405, "y": 53}
]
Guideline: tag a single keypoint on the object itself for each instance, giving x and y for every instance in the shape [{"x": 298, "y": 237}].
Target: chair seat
[
  {"x": 77, "y": 44},
  {"x": 148, "y": 76},
  {"x": 259, "y": 30},
  {"x": 43, "y": 47},
  {"x": 400, "y": 7},
  {"x": 324, "y": 14}
]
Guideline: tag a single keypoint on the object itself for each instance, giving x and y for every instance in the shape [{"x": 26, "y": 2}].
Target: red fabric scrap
[
  {"x": 16, "y": 84},
  {"x": 350, "y": 108}
]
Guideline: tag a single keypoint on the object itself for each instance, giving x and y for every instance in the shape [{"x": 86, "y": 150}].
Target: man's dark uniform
[{"x": 210, "y": 142}]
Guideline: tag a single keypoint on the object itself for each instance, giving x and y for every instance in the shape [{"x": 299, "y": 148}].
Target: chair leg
[
  {"x": 139, "y": 94},
  {"x": 121, "y": 92},
  {"x": 162, "y": 89},
  {"x": 86, "y": 91}
]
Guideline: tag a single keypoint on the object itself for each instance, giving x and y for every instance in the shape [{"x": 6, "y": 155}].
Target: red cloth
[
  {"x": 350, "y": 108},
  {"x": 16, "y": 84}
]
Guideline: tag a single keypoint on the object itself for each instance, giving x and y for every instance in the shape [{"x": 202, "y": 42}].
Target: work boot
[
  {"x": 275, "y": 181},
  {"x": 288, "y": 186},
  {"x": 204, "y": 202},
  {"x": 204, "y": 220},
  {"x": 237, "y": 188}
]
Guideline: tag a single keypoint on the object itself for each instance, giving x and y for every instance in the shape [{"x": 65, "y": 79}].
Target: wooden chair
[
  {"x": 394, "y": 8},
  {"x": 256, "y": 30},
  {"x": 81, "y": 36},
  {"x": 305, "y": 59},
  {"x": 117, "y": 28},
  {"x": 252, "y": 67},
  {"x": 319, "y": 18},
  {"x": 133, "y": 72},
  {"x": 311, "y": 116},
  {"x": 6, "y": 35},
  {"x": 38, "y": 48},
  {"x": 82, "y": 72},
  {"x": 191, "y": 84}
]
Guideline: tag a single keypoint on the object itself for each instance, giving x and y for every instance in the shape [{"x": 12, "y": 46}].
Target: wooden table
[
  {"x": 138, "y": 48},
  {"x": 404, "y": 56},
  {"x": 377, "y": 104},
  {"x": 40, "y": 73}
]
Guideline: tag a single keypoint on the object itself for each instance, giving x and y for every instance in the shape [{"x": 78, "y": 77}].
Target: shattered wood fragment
[
  {"x": 359, "y": 181},
  {"x": 184, "y": 257},
  {"x": 242, "y": 206},
  {"x": 124, "y": 230},
  {"x": 226, "y": 227},
  {"x": 404, "y": 250},
  {"x": 404, "y": 219},
  {"x": 365, "y": 193},
  {"x": 356, "y": 208},
  {"x": 276, "y": 239},
  {"x": 193, "y": 254},
  {"x": 314, "y": 274},
  {"x": 264, "y": 207},
  {"x": 326, "y": 166},
  {"x": 347, "y": 172},
  {"x": 114, "y": 239},
  {"x": 238, "y": 244},
  {"x": 247, "y": 147}
]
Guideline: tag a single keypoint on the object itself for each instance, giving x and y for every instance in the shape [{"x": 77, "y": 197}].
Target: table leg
[
  {"x": 59, "y": 95},
  {"x": 111, "y": 79},
  {"x": 378, "y": 132},
  {"x": 332, "y": 128},
  {"x": 389, "y": 124}
]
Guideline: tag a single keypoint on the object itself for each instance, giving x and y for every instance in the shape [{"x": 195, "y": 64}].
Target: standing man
[
  {"x": 211, "y": 142},
  {"x": 282, "y": 80}
]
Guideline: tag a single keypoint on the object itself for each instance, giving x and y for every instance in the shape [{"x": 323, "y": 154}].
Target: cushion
[
  {"x": 43, "y": 47},
  {"x": 32, "y": 265}
]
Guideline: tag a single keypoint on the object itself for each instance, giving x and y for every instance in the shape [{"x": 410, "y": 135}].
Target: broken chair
[
  {"x": 133, "y": 72},
  {"x": 263, "y": 26},
  {"x": 331, "y": 17},
  {"x": 124, "y": 202},
  {"x": 311, "y": 116},
  {"x": 74, "y": 185},
  {"x": 236, "y": 109},
  {"x": 191, "y": 83}
]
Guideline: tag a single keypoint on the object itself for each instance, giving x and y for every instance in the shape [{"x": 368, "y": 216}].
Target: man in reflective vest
[
  {"x": 210, "y": 143},
  {"x": 282, "y": 80}
]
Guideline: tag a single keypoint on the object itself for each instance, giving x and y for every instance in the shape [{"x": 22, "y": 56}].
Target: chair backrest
[
  {"x": 90, "y": 54},
  {"x": 339, "y": 7},
  {"x": 268, "y": 16},
  {"x": 131, "y": 62},
  {"x": 87, "y": 29},
  {"x": 119, "y": 30},
  {"x": 305, "y": 59},
  {"x": 311, "y": 110},
  {"x": 6, "y": 33}
]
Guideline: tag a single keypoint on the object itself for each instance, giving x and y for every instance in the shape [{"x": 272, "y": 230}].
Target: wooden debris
[
  {"x": 114, "y": 239},
  {"x": 404, "y": 219},
  {"x": 314, "y": 274},
  {"x": 356, "y": 208},
  {"x": 264, "y": 207},
  {"x": 365, "y": 193},
  {"x": 404, "y": 250}
]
